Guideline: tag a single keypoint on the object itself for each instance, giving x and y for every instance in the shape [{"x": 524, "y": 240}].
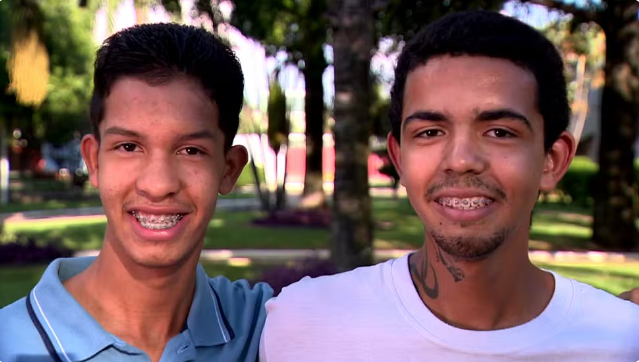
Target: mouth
[
  {"x": 465, "y": 203},
  {"x": 156, "y": 221}
]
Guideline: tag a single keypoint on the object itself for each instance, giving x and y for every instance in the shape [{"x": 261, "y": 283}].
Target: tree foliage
[
  {"x": 278, "y": 127},
  {"x": 68, "y": 37},
  {"x": 298, "y": 28},
  {"x": 616, "y": 207},
  {"x": 401, "y": 19}
]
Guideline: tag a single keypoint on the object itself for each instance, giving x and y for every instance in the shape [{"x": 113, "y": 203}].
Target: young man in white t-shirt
[{"x": 479, "y": 113}]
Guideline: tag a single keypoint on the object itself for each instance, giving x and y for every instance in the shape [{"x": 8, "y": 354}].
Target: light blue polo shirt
[{"x": 224, "y": 323}]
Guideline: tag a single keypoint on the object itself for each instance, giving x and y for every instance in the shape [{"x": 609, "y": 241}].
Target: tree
[
  {"x": 278, "y": 130},
  {"x": 402, "y": 19},
  {"x": 299, "y": 28},
  {"x": 67, "y": 36},
  {"x": 23, "y": 86},
  {"x": 352, "y": 226},
  {"x": 615, "y": 196},
  {"x": 142, "y": 8}
]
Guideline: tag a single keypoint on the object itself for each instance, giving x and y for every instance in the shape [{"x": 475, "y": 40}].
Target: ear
[
  {"x": 394, "y": 152},
  {"x": 557, "y": 161},
  {"x": 89, "y": 148},
  {"x": 236, "y": 159}
]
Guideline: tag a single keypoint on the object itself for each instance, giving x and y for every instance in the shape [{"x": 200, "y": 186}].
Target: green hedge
[
  {"x": 579, "y": 182},
  {"x": 247, "y": 178}
]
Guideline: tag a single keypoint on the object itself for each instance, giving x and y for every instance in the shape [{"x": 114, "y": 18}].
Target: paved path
[{"x": 83, "y": 212}]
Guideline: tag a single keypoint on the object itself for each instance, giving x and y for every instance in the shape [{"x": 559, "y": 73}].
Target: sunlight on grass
[
  {"x": 561, "y": 229},
  {"x": 216, "y": 223},
  {"x": 614, "y": 278}
]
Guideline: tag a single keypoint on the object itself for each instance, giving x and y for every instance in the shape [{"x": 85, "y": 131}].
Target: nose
[
  {"x": 158, "y": 179},
  {"x": 464, "y": 154}
]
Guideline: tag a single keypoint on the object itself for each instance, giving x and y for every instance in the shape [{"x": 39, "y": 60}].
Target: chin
[
  {"x": 154, "y": 257},
  {"x": 469, "y": 246}
]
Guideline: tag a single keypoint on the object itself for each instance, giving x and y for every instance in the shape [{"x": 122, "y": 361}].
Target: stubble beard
[{"x": 469, "y": 247}]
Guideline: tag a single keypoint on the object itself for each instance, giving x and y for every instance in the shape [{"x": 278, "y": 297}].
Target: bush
[
  {"x": 246, "y": 178},
  {"x": 25, "y": 250},
  {"x": 579, "y": 181}
]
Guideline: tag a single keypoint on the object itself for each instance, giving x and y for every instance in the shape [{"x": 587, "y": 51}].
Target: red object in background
[{"x": 297, "y": 163}]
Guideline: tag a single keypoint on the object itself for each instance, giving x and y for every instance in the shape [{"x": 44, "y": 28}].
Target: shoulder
[
  {"x": 333, "y": 288},
  {"x": 14, "y": 314},
  {"x": 325, "y": 297},
  {"x": 242, "y": 305},
  {"x": 606, "y": 305},
  {"x": 240, "y": 292},
  {"x": 307, "y": 315},
  {"x": 18, "y": 335},
  {"x": 608, "y": 319}
]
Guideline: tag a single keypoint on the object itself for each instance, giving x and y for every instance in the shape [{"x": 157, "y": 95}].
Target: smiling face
[
  {"x": 472, "y": 153},
  {"x": 159, "y": 166}
]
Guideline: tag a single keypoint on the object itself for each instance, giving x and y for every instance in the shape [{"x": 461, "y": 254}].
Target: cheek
[
  {"x": 419, "y": 168},
  {"x": 201, "y": 182},
  {"x": 519, "y": 174}
]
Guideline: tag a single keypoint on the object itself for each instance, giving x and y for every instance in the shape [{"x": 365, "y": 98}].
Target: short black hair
[
  {"x": 160, "y": 53},
  {"x": 490, "y": 34}
]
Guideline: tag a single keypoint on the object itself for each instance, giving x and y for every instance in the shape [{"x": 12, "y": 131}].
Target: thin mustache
[{"x": 469, "y": 182}]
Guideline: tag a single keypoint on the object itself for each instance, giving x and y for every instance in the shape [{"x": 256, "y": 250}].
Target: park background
[{"x": 313, "y": 155}]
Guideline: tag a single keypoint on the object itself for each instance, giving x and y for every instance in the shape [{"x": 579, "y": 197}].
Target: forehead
[
  {"x": 469, "y": 83},
  {"x": 178, "y": 105}
]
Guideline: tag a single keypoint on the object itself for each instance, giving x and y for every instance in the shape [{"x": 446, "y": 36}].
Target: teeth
[
  {"x": 157, "y": 222},
  {"x": 468, "y": 203}
]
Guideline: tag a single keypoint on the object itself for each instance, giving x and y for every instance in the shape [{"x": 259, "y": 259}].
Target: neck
[
  {"x": 501, "y": 291},
  {"x": 143, "y": 306}
]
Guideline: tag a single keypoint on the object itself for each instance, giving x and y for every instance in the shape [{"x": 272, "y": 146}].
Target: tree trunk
[
  {"x": 352, "y": 230},
  {"x": 615, "y": 210},
  {"x": 280, "y": 196},
  {"x": 314, "y": 110}
]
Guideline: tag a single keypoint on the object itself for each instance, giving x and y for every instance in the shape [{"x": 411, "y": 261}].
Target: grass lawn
[
  {"x": 614, "y": 278},
  {"x": 397, "y": 226}
]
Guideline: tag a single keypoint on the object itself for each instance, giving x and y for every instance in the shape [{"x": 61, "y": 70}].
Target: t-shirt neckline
[{"x": 560, "y": 309}]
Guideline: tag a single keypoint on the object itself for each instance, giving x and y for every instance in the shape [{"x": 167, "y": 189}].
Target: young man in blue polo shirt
[{"x": 165, "y": 110}]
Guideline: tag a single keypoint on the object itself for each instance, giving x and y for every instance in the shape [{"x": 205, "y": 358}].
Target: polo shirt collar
[
  {"x": 207, "y": 321},
  {"x": 73, "y": 332},
  {"x": 77, "y": 336}
]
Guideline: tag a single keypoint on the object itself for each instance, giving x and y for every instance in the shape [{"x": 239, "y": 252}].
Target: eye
[
  {"x": 127, "y": 147},
  {"x": 500, "y": 133},
  {"x": 430, "y": 133},
  {"x": 190, "y": 151}
]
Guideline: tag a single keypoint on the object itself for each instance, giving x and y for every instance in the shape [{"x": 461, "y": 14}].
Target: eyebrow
[
  {"x": 119, "y": 131},
  {"x": 483, "y": 116},
  {"x": 198, "y": 135},
  {"x": 503, "y": 113}
]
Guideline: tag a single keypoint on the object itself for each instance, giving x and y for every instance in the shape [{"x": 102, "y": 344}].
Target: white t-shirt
[{"x": 375, "y": 314}]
